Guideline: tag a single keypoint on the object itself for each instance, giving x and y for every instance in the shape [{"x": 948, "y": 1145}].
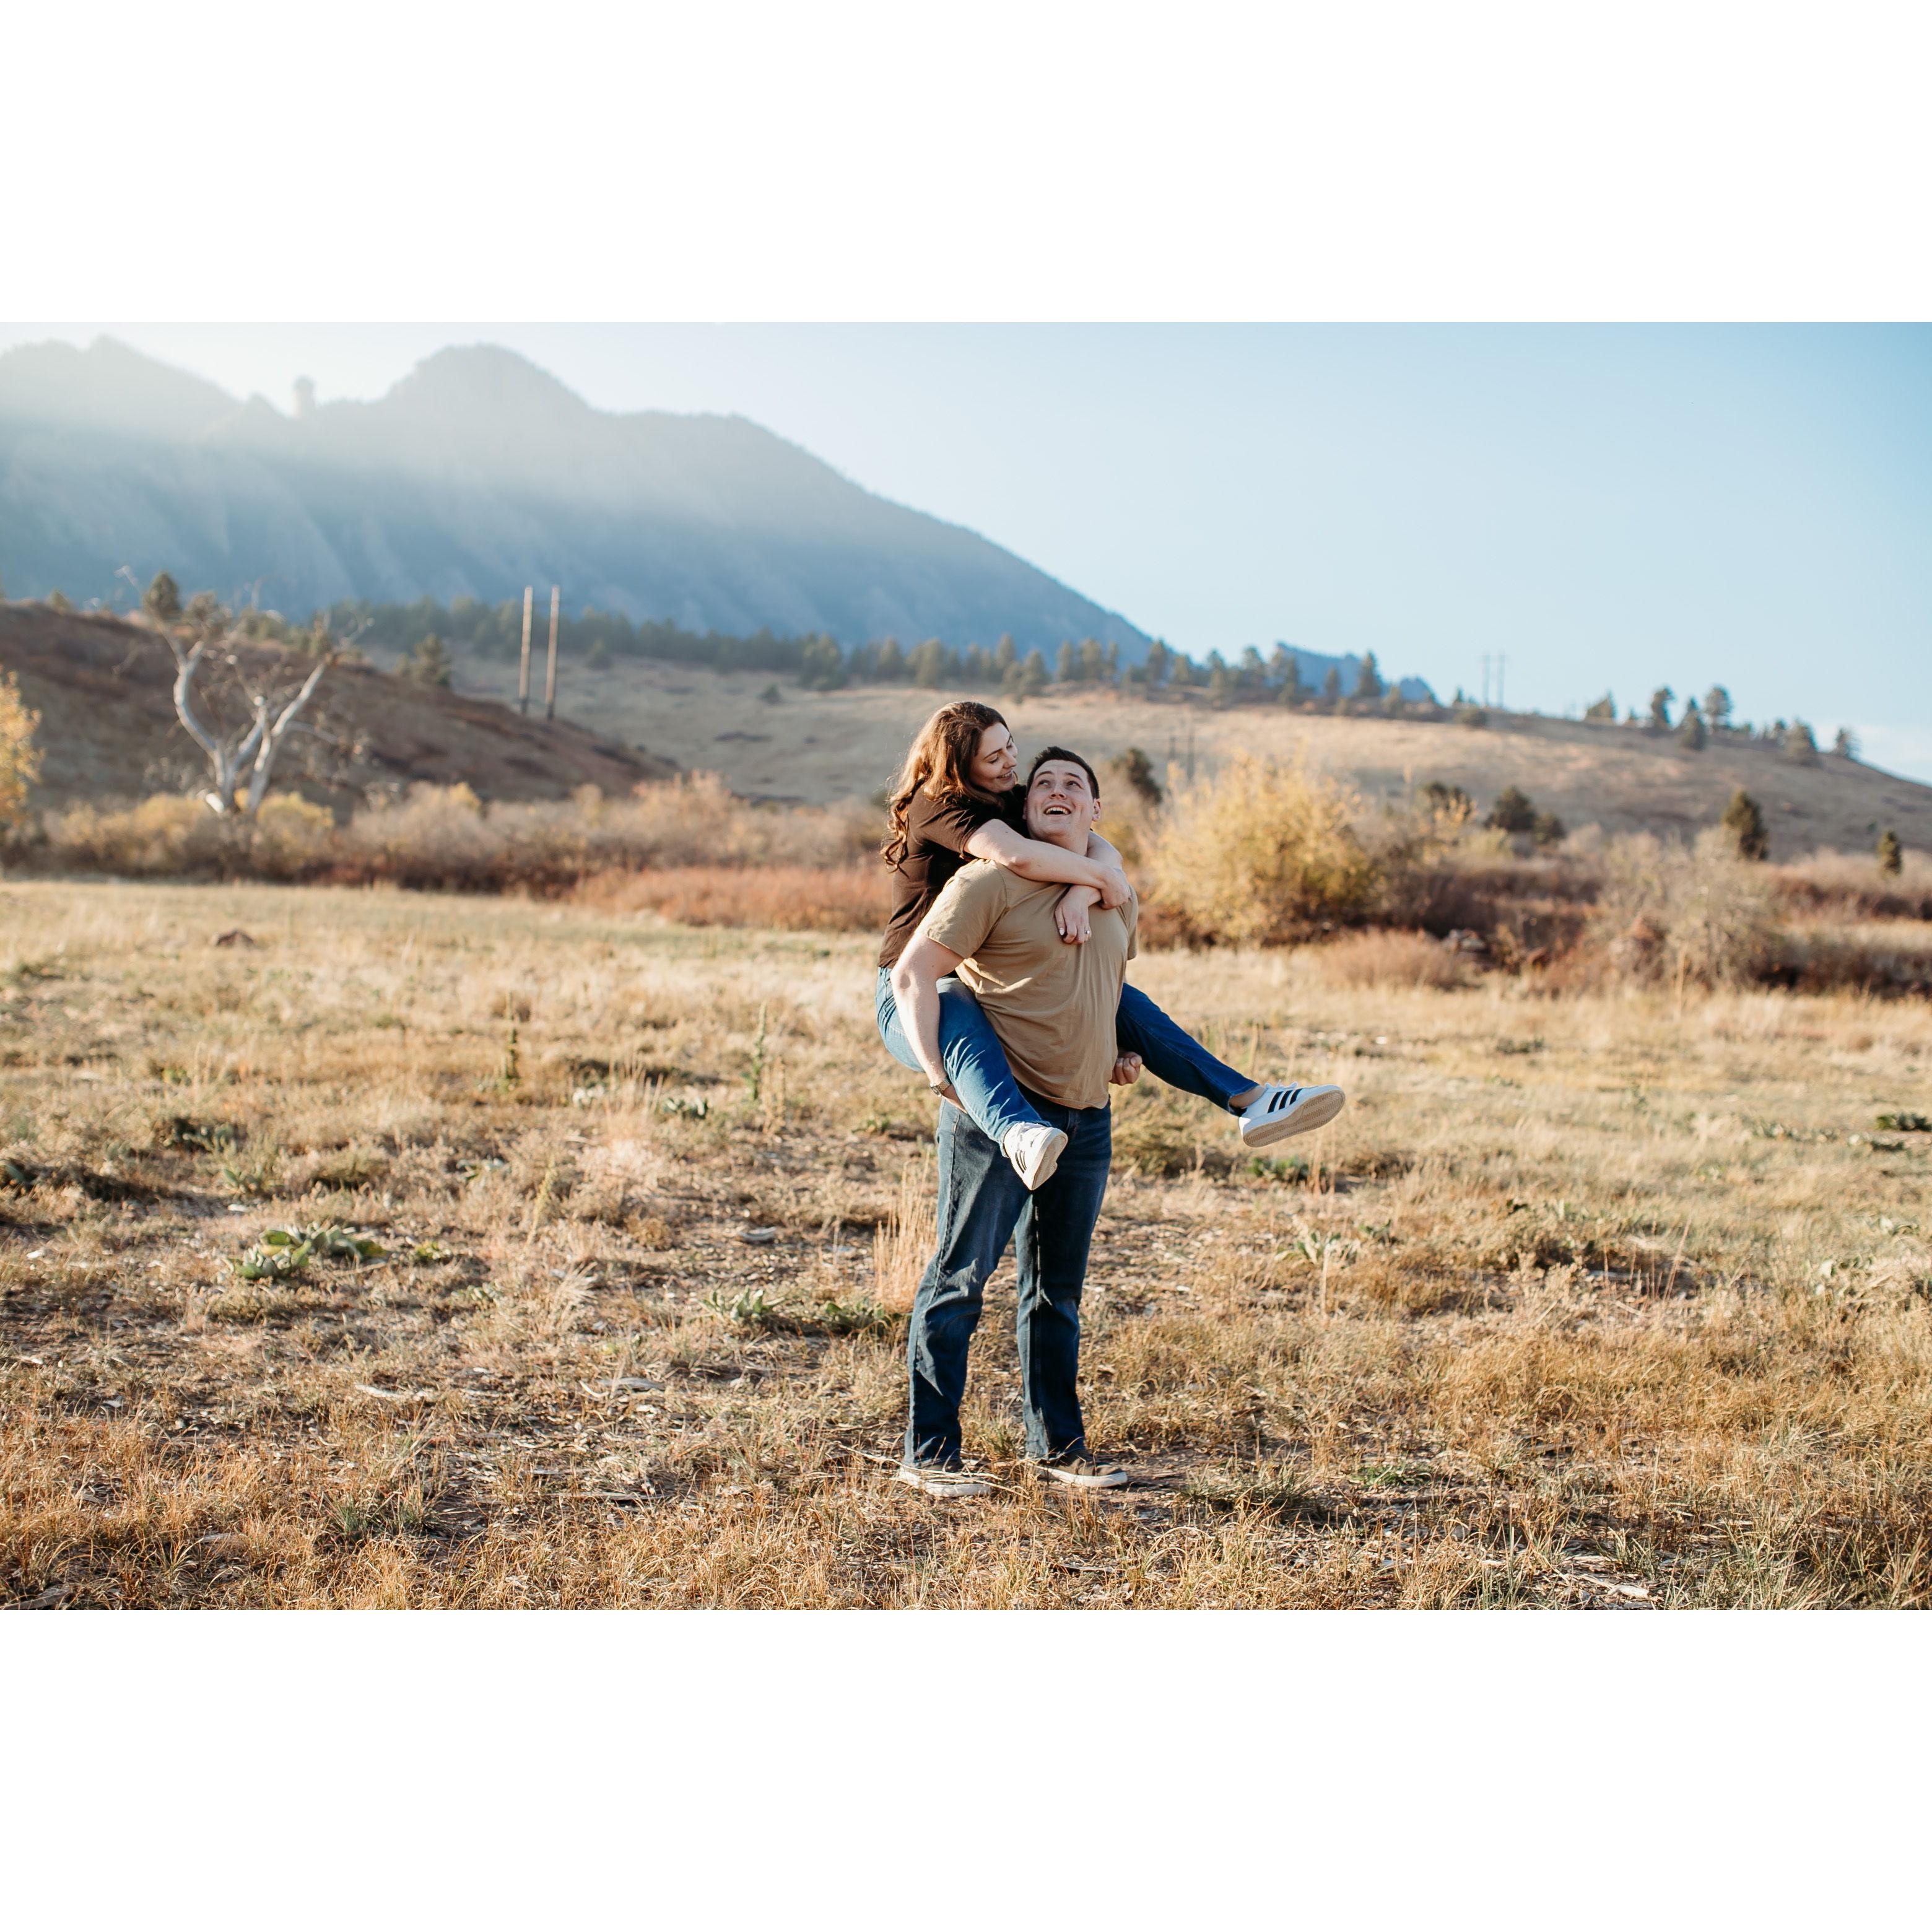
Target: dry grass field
[{"x": 597, "y": 1225}]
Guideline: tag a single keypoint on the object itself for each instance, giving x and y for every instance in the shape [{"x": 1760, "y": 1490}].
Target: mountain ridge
[{"x": 476, "y": 473}]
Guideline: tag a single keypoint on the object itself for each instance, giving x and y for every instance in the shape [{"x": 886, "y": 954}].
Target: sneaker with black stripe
[{"x": 1276, "y": 1112}]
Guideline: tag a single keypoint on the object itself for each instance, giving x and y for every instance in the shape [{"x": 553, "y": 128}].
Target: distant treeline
[{"x": 819, "y": 662}]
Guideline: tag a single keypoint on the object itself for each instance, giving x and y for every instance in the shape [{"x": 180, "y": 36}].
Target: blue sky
[{"x": 1609, "y": 507}]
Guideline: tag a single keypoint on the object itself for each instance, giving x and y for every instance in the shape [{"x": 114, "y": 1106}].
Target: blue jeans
[
  {"x": 982, "y": 1204},
  {"x": 976, "y": 1062}
]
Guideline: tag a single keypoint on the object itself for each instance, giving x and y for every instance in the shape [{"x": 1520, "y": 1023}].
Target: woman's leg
[
  {"x": 1174, "y": 1056},
  {"x": 975, "y": 1059}
]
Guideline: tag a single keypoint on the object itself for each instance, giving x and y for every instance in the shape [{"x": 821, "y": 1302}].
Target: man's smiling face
[{"x": 1060, "y": 807}]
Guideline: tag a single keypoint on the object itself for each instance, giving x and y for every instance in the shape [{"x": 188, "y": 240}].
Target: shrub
[
  {"x": 19, "y": 756},
  {"x": 1698, "y": 914},
  {"x": 1261, "y": 852},
  {"x": 161, "y": 836},
  {"x": 1891, "y": 854}
]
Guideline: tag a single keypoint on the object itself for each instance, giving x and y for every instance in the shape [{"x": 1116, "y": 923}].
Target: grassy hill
[
  {"x": 813, "y": 747},
  {"x": 108, "y": 728}
]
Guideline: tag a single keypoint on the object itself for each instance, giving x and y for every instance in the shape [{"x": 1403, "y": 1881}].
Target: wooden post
[
  {"x": 524, "y": 675},
  {"x": 550, "y": 677}
]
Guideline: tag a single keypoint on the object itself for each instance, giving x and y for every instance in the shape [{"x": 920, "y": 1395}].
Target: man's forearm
[{"x": 918, "y": 997}]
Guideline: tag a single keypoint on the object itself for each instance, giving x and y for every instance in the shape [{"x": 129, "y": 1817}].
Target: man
[{"x": 1053, "y": 1006}]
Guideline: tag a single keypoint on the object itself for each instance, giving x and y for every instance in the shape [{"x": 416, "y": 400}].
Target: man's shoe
[
  {"x": 1082, "y": 1472},
  {"x": 935, "y": 1479},
  {"x": 1276, "y": 1112},
  {"x": 1035, "y": 1153}
]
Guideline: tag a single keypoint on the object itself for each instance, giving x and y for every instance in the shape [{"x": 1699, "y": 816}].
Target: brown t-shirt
[
  {"x": 937, "y": 830},
  {"x": 1052, "y": 1005}
]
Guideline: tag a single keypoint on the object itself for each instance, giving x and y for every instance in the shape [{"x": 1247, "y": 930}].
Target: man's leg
[
  {"x": 980, "y": 1197},
  {"x": 1054, "y": 1234}
]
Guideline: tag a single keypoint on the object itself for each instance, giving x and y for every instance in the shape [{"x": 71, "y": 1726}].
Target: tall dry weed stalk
[
  {"x": 902, "y": 1243},
  {"x": 1260, "y": 853}
]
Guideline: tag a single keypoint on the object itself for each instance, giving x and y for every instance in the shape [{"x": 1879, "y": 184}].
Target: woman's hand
[
  {"x": 1072, "y": 914},
  {"x": 1114, "y": 888}
]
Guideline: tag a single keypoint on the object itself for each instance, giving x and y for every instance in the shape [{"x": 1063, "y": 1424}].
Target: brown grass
[
  {"x": 1382, "y": 959},
  {"x": 1617, "y": 1300},
  {"x": 790, "y": 898}
]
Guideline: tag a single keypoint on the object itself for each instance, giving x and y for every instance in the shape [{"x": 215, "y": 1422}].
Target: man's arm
[
  {"x": 1046, "y": 865},
  {"x": 915, "y": 980}
]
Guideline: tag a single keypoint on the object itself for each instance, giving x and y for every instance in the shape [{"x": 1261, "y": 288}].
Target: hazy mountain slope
[{"x": 478, "y": 474}]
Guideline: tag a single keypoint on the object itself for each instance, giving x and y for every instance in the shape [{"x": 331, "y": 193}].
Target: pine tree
[
  {"x": 1800, "y": 746},
  {"x": 430, "y": 663},
  {"x": 1512, "y": 812},
  {"x": 1690, "y": 731},
  {"x": 1135, "y": 769},
  {"x": 1717, "y": 708},
  {"x": 1846, "y": 744},
  {"x": 928, "y": 665},
  {"x": 161, "y": 600},
  {"x": 1369, "y": 680},
  {"x": 1004, "y": 655},
  {"x": 1603, "y": 712},
  {"x": 890, "y": 666},
  {"x": 1063, "y": 664},
  {"x": 1220, "y": 685},
  {"x": 1743, "y": 820},
  {"x": 1033, "y": 679},
  {"x": 1661, "y": 701},
  {"x": 57, "y": 600},
  {"x": 1891, "y": 854},
  {"x": 1292, "y": 690},
  {"x": 1160, "y": 663},
  {"x": 1331, "y": 687}
]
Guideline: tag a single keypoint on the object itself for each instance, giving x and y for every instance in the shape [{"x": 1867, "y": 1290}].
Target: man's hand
[
  {"x": 1113, "y": 889},
  {"x": 1126, "y": 1070},
  {"x": 1071, "y": 915}
]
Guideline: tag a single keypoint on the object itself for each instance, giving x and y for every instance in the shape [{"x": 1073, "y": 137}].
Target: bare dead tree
[{"x": 242, "y": 758}]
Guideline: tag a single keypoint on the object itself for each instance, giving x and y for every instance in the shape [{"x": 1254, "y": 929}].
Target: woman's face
[{"x": 996, "y": 765}]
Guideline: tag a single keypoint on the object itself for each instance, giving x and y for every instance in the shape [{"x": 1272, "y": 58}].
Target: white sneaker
[
  {"x": 933, "y": 1479},
  {"x": 1035, "y": 1153},
  {"x": 1085, "y": 1473},
  {"x": 1276, "y": 1112}
]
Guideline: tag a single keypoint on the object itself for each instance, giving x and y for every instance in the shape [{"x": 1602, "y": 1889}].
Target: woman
[{"x": 954, "y": 800}]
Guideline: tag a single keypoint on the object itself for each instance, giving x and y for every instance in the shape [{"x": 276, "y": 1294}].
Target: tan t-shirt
[{"x": 1051, "y": 1004}]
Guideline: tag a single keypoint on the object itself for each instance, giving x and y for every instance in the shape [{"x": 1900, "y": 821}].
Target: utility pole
[
  {"x": 1485, "y": 680},
  {"x": 524, "y": 675},
  {"x": 550, "y": 677}
]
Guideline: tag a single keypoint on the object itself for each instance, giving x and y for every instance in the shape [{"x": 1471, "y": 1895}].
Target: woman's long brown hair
[{"x": 939, "y": 764}]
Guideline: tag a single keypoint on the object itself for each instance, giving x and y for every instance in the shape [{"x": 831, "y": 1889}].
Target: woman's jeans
[
  {"x": 976, "y": 1062},
  {"x": 982, "y": 1204}
]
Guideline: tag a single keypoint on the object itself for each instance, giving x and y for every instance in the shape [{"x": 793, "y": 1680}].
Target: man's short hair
[{"x": 1061, "y": 754}]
